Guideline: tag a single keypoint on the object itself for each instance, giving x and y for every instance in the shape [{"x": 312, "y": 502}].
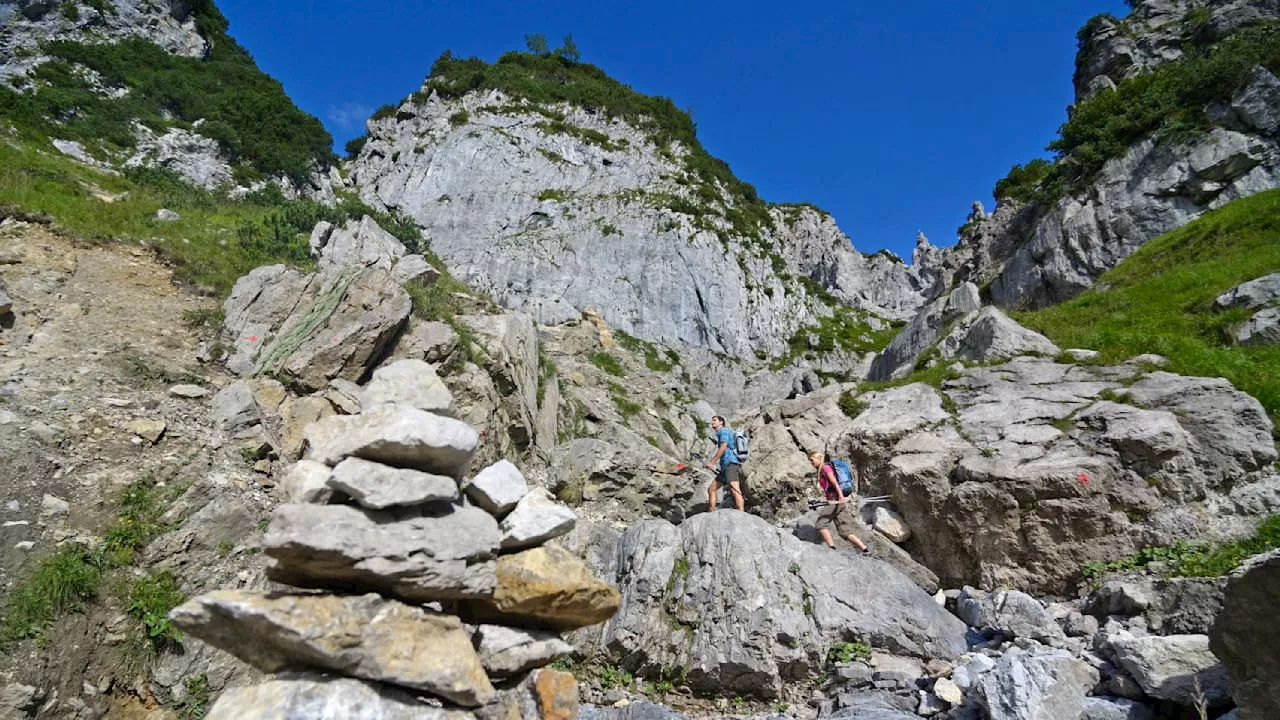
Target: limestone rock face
[
  {"x": 553, "y": 225},
  {"x": 395, "y": 435},
  {"x": 360, "y": 243},
  {"x": 926, "y": 328},
  {"x": 364, "y": 636},
  {"x": 1057, "y": 465},
  {"x": 544, "y": 587},
  {"x": 991, "y": 336},
  {"x": 313, "y": 328},
  {"x": 1245, "y": 636},
  {"x": 414, "y": 555},
  {"x": 1152, "y": 189},
  {"x": 746, "y": 607}
]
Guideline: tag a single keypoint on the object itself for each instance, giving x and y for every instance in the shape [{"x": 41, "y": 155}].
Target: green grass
[
  {"x": 850, "y": 405},
  {"x": 64, "y": 581},
  {"x": 1196, "y": 559},
  {"x": 150, "y": 600},
  {"x": 655, "y": 358},
  {"x": 607, "y": 363},
  {"x": 61, "y": 583},
  {"x": 1160, "y": 300},
  {"x": 215, "y": 242},
  {"x": 846, "y": 329}
]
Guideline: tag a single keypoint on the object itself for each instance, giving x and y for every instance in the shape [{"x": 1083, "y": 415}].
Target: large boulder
[
  {"x": 361, "y": 243},
  {"x": 312, "y": 328},
  {"x": 1246, "y": 636},
  {"x": 1036, "y": 684},
  {"x": 418, "y": 555},
  {"x": 739, "y": 606},
  {"x": 1171, "y": 667},
  {"x": 991, "y": 335},
  {"x": 1251, "y": 295},
  {"x": 1261, "y": 329},
  {"x": 1012, "y": 613},
  {"x": 366, "y": 637}
]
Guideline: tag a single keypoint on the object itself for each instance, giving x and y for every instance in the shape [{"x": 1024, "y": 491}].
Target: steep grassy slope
[
  {"x": 135, "y": 81},
  {"x": 216, "y": 240},
  {"x": 1160, "y": 300}
]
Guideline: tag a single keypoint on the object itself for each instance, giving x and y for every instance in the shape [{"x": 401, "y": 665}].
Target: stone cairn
[{"x": 422, "y": 596}]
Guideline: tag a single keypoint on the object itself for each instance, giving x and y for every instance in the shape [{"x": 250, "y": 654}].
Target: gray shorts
[
  {"x": 841, "y": 516},
  {"x": 731, "y": 474}
]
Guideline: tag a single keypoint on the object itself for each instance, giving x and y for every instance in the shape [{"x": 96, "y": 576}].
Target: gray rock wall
[{"x": 551, "y": 224}]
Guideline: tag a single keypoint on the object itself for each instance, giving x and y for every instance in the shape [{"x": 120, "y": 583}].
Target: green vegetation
[
  {"x": 61, "y": 583},
  {"x": 850, "y": 405},
  {"x": 658, "y": 360},
  {"x": 621, "y": 399},
  {"x": 849, "y": 651},
  {"x": 563, "y": 664},
  {"x": 216, "y": 241},
  {"x": 196, "y": 704},
  {"x": 551, "y": 77},
  {"x": 1195, "y": 559},
  {"x": 64, "y": 581},
  {"x": 1160, "y": 300},
  {"x": 611, "y": 677},
  {"x": 846, "y": 329},
  {"x": 150, "y": 600},
  {"x": 246, "y": 111},
  {"x": 607, "y": 363},
  {"x": 459, "y": 118},
  {"x": 1169, "y": 100}
]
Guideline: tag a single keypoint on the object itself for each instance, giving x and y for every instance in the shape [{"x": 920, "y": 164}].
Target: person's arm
[
  {"x": 716, "y": 457},
  {"x": 830, "y": 472}
]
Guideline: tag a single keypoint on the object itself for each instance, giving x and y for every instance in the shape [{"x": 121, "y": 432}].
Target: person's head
[
  {"x": 815, "y": 459},
  {"x": 717, "y": 422}
]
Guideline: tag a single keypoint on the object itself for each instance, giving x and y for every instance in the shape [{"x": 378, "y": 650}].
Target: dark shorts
[
  {"x": 732, "y": 473},
  {"x": 839, "y": 516}
]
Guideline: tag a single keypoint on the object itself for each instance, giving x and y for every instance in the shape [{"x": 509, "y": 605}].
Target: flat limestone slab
[
  {"x": 416, "y": 555},
  {"x": 362, "y": 636},
  {"x": 395, "y": 435}
]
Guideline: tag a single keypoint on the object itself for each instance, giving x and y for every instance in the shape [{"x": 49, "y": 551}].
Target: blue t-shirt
[{"x": 725, "y": 436}]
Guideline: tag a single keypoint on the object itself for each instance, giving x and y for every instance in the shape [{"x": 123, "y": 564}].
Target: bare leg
[
  {"x": 826, "y": 538},
  {"x": 737, "y": 496},
  {"x": 856, "y": 542},
  {"x": 712, "y": 490}
]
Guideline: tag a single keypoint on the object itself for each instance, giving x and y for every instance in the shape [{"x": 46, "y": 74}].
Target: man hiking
[
  {"x": 836, "y": 512},
  {"x": 730, "y": 472}
]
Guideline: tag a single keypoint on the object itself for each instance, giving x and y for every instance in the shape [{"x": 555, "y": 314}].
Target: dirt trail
[{"x": 96, "y": 341}]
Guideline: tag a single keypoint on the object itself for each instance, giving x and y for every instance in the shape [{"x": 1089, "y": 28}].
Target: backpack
[
  {"x": 741, "y": 444},
  {"x": 844, "y": 474}
]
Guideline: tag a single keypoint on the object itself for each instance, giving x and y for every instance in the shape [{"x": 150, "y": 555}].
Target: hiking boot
[{"x": 866, "y": 551}]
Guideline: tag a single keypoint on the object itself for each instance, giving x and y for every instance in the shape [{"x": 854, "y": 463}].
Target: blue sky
[{"x": 894, "y": 117}]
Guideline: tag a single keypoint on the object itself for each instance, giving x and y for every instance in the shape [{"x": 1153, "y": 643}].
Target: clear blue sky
[{"x": 894, "y": 117}]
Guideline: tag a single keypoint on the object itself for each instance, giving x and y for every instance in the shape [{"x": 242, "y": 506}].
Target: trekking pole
[{"x": 871, "y": 500}]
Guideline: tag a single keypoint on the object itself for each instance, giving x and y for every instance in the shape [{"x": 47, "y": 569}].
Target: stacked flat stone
[{"x": 424, "y": 596}]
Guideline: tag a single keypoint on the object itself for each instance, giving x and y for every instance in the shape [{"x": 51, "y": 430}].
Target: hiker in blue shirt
[{"x": 730, "y": 471}]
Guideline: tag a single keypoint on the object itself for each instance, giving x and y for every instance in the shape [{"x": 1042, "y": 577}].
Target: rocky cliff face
[
  {"x": 26, "y": 24},
  {"x": 1041, "y": 254},
  {"x": 553, "y": 210}
]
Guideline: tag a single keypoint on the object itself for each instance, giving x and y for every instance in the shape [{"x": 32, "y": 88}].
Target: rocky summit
[{"x": 424, "y": 433}]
